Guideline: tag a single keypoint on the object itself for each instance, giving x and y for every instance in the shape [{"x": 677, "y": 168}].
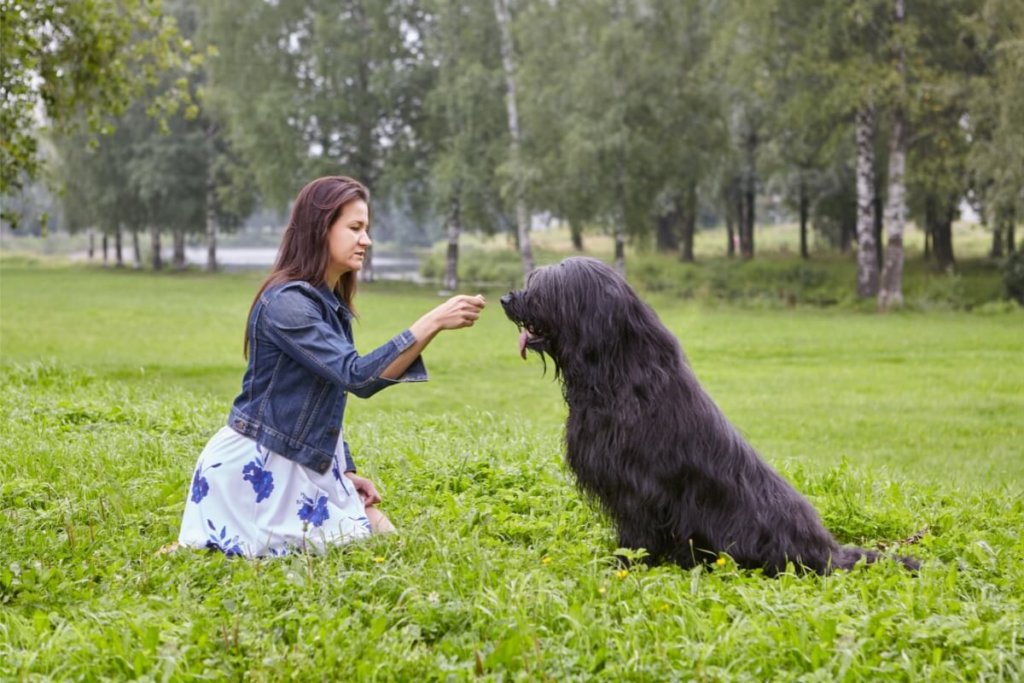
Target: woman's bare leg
[{"x": 379, "y": 523}]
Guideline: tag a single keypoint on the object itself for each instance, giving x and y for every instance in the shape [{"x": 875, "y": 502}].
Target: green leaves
[{"x": 69, "y": 56}]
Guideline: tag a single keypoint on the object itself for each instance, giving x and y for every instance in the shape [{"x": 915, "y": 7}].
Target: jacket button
[{"x": 326, "y": 466}]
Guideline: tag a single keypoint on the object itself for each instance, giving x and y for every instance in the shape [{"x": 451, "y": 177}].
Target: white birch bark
[
  {"x": 137, "y": 250},
  {"x": 508, "y": 63},
  {"x": 211, "y": 214},
  {"x": 890, "y": 292},
  {"x": 867, "y": 258},
  {"x": 211, "y": 241}
]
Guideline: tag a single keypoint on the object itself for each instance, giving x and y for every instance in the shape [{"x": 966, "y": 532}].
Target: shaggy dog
[{"x": 649, "y": 444}]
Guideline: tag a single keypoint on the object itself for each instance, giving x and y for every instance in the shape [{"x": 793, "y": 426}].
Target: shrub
[{"x": 1013, "y": 276}]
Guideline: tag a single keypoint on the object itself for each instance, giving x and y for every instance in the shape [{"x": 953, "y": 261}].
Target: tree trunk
[
  {"x": 154, "y": 236},
  {"x": 666, "y": 235},
  {"x": 211, "y": 235},
  {"x": 749, "y": 198},
  {"x": 620, "y": 250},
  {"x": 576, "y": 234},
  {"x": 106, "y": 260},
  {"x": 451, "y": 268},
  {"x": 1011, "y": 231},
  {"x": 730, "y": 234},
  {"x": 501, "y": 13},
  {"x": 118, "y": 247},
  {"x": 890, "y": 292},
  {"x": 179, "y": 249},
  {"x": 879, "y": 224},
  {"x": 689, "y": 222},
  {"x": 732, "y": 206},
  {"x": 997, "y": 239},
  {"x": 91, "y": 232},
  {"x": 847, "y": 232},
  {"x": 804, "y": 211},
  {"x": 929, "y": 225},
  {"x": 943, "y": 237},
  {"x": 867, "y": 256},
  {"x": 137, "y": 261},
  {"x": 211, "y": 198}
]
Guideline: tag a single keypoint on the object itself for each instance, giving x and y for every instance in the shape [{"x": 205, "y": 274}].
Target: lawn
[{"x": 891, "y": 424}]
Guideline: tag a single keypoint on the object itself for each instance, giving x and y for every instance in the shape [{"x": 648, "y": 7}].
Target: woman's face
[{"x": 347, "y": 240}]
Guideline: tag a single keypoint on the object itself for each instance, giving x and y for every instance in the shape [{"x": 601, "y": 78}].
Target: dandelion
[
  {"x": 720, "y": 562},
  {"x": 545, "y": 560},
  {"x": 601, "y": 589},
  {"x": 378, "y": 559},
  {"x": 622, "y": 573}
]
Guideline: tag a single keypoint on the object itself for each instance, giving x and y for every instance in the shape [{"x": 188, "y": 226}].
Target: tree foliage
[
  {"x": 76, "y": 60},
  {"x": 632, "y": 117}
]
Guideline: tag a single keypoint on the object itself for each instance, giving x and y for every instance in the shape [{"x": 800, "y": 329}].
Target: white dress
[{"x": 246, "y": 500}]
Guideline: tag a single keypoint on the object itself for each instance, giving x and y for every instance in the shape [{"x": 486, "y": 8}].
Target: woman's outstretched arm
[{"x": 458, "y": 312}]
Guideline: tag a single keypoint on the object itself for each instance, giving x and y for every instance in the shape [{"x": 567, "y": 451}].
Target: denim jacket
[{"x": 302, "y": 365}]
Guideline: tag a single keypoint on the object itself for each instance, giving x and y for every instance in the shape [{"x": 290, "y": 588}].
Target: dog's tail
[{"x": 848, "y": 556}]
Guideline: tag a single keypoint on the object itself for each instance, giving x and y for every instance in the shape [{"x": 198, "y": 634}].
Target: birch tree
[
  {"x": 465, "y": 129},
  {"x": 508, "y": 59},
  {"x": 890, "y": 292},
  {"x": 867, "y": 253}
]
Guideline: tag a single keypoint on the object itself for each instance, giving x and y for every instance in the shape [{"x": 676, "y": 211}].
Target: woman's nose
[{"x": 365, "y": 239}]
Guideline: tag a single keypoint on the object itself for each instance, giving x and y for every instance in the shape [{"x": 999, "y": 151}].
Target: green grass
[{"x": 111, "y": 382}]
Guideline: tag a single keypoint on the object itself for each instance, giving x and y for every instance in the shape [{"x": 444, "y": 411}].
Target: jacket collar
[{"x": 331, "y": 299}]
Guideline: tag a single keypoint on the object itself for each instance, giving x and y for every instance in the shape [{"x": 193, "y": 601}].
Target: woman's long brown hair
[{"x": 303, "y": 254}]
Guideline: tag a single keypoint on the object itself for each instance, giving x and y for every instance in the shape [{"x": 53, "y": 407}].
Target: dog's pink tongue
[{"x": 523, "y": 336}]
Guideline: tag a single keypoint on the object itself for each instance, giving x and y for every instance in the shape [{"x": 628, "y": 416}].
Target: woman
[{"x": 279, "y": 477}]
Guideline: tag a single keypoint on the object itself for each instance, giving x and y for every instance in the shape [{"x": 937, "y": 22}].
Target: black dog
[{"x": 646, "y": 440}]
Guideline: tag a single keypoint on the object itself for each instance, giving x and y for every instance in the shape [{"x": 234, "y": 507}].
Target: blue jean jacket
[{"x": 302, "y": 365}]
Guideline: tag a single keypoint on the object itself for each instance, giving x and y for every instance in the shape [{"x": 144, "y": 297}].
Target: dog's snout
[{"x": 506, "y": 300}]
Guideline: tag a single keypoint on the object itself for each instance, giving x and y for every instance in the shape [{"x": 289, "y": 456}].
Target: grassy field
[{"x": 111, "y": 382}]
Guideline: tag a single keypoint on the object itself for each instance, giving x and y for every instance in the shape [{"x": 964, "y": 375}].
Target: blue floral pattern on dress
[
  {"x": 313, "y": 512},
  {"x": 220, "y": 541},
  {"x": 262, "y": 480},
  {"x": 200, "y": 487}
]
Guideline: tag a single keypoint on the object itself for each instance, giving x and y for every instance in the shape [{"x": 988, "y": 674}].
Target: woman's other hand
[{"x": 365, "y": 488}]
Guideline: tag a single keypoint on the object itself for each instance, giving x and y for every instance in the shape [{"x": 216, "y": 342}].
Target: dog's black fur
[{"x": 649, "y": 444}]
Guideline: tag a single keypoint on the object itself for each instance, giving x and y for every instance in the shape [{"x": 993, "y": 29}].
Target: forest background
[{"x": 864, "y": 125}]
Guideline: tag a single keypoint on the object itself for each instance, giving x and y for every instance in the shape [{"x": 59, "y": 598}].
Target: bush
[{"x": 1013, "y": 276}]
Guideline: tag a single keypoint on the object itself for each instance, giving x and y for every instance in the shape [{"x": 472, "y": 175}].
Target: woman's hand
[
  {"x": 459, "y": 311},
  {"x": 365, "y": 488}
]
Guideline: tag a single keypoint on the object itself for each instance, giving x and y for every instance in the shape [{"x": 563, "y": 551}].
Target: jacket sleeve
[
  {"x": 295, "y": 322},
  {"x": 350, "y": 465}
]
